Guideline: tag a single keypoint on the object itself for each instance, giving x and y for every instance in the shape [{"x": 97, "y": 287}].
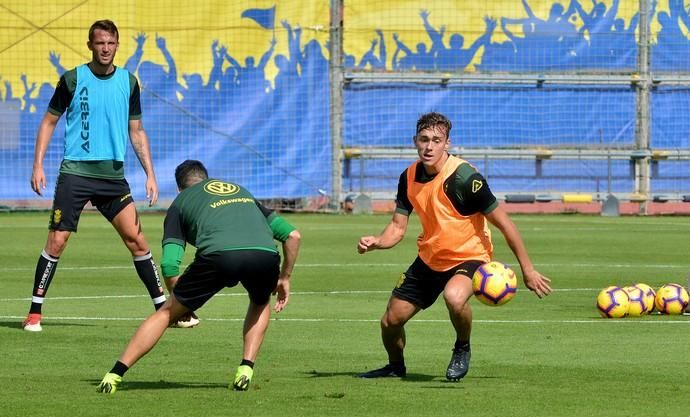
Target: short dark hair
[
  {"x": 190, "y": 172},
  {"x": 433, "y": 119},
  {"x": 106, "y": 25}
]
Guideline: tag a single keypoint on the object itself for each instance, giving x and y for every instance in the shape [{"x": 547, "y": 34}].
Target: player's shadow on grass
[
  {"x": 161, "y": 385},
  {"x": 12, "y": 324},
  {"x": 411, "y": 377},
  {"x": 18, "y": 324}
]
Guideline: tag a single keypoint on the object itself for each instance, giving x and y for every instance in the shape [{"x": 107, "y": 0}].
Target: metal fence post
[
  {"x": 644, "y": 84},
  {"x": 336, "y": 96}
]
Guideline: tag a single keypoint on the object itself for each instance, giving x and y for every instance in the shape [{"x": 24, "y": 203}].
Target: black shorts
[
  {"x": 209, "y": 273},
  {"x": 72, "y": 192},
  {"x": 421, "y": 286}
]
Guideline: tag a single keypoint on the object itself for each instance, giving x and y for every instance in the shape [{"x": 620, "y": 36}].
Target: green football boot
[
  {"x": 109, "y": 383},
  {"x": 242, "y": 378}
]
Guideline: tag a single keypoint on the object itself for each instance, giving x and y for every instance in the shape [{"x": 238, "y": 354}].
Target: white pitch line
[{"x": 321, "y": 320}]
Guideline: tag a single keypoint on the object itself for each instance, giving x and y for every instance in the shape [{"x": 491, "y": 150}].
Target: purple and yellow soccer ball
[
  {"x": 613, "y": 302},
  {"x": 671, "y": 299},
  {"x": 648, "y": 297},
  {"x": 639, "y": 304},
  {"x": 494, "y": 283}
]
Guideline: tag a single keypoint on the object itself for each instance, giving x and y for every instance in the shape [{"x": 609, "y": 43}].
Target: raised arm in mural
[
  {"x": 553, "y": 39},
  {"x": 528, "y": 10},
  {"x": 404, "y": 62},
  {"x": 401, "y": 46},
  {"x": 436, "y": 36},
  {"x": 516, "y": 40},
  {"x": 219, "y": 79},
  {"x": 8, "y": 91},
  {"x": 288, "y": 66},
  {"x": 229, "y": 76},
  {"x": 600, "y": 19},
  {"x": 156, "y": 79},
  {"x": 133, "y": 61},
  {"x": 556, "y": 24},
  {"x": 294, "y": 48},
  {"x": 233, "y": 62},
  {"x": 10, "y": 101},
  {"x": 252, "y": 76},
  {"x": 217, "y": 68},
  {"x": 28, "y": 91},
  {"x": 370, "y": 58},
  {"x": 266, "y": 56},
  {"x": 171, "y": 75},
  {"x": 455, "y": 57},
  {"x": 54, "y": 59},
  {"x": 421, "y": 59}
]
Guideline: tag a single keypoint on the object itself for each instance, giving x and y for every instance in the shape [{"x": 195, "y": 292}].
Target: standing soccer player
[
  {"x": 103, "y": 113},
  {"x": 453, "y": 202},
  {"x": 234, "y": 239}
]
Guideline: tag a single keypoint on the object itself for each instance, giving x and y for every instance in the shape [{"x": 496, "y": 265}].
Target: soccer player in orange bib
[{"x": 453, "y": 202}]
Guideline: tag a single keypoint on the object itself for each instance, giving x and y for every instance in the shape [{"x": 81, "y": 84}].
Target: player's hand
[
  {"x": 366, "y": 244},
  {"x": 537, "y": 283},
  {"x": 38, "y": 180},
  {"x": 151, "y": 191},
  {"x": 283, "y": 291}
]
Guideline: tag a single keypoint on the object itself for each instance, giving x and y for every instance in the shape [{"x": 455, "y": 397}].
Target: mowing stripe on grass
[
  {"x": 243, "y": 294},
  {"x": 370, "y": 265}
]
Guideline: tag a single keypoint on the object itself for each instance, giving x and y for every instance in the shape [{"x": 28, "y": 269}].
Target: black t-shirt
[{"x": 467, "y": 189}]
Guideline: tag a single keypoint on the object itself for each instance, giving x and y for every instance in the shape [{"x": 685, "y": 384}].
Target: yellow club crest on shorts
[
  {"x": 57, "y": 216},
  {"x": 221, "y": 188},
  {"x": 400, "y": 281},
  {"x": 476, "y": 185}
]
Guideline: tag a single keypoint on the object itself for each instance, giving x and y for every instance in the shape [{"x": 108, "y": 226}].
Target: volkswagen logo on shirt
[{"x": 221, "y": 188}]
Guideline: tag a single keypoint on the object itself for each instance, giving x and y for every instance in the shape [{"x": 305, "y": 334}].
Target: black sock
[
  {"x": 148, "y": 273},
  {"x": 119, "y": 368},
  {"x": 397, "y": 365},
  {"x": 248, "y": 363},
  {"x": 45, "y": 271},
  {"x": 462, "y": 345}
]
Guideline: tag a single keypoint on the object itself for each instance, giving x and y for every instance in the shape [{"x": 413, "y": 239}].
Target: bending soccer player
[
  {"x": 234, "y": 237},
  {"x": 453, "y": 202}
]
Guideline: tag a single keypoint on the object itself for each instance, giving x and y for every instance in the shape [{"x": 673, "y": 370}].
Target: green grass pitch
[{"x": 531, "y": 357}]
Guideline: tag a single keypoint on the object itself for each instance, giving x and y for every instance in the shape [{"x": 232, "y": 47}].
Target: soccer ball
[
  {"x": 494, "y": 283},
  {"x": 639, "y": 305},
  {"x": 649, "y": 296},
  {"x": 671, "y": 299},
  {"x": 613, "y": 302}
]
